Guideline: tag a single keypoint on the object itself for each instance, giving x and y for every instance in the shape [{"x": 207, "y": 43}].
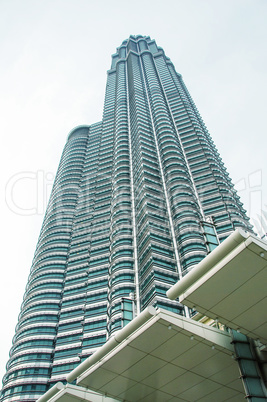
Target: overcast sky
[{"x": 54, "y": 58}]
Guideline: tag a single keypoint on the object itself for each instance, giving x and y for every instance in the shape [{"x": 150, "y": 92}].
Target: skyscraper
[{"x": 139, "y": 199}]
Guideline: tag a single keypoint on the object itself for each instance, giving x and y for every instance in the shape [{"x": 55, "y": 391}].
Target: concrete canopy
[
  {"x": 166, "y": 358},
  {"x": 72, "y": 393},
  {"x": 230, "y": 285}
]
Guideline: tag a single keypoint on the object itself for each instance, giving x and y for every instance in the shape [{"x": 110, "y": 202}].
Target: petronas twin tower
[{"x": 139, "y": 199}]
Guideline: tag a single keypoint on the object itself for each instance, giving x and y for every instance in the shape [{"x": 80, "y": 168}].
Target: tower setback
[{"x": 138, "y": 200}]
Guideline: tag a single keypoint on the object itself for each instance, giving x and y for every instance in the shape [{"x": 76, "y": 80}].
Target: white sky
[{"x": 54, "y": 58}]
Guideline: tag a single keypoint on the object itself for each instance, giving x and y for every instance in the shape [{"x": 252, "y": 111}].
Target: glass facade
[{"x": 139, "y": 199}]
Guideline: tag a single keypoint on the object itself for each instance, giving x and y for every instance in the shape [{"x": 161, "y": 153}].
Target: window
[
  {"x": 127, "y": 311},
  {"x": 210, "y": 235},
  {"x": 94, "y": 341}
]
